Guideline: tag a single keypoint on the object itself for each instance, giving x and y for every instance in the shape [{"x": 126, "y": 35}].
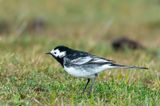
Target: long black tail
[{"x": 126, "y": 67}]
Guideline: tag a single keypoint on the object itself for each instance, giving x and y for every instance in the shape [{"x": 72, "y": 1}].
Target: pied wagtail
[{"x": 82, "y": 64}]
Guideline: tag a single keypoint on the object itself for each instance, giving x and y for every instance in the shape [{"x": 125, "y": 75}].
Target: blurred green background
[{"x": 29, "y": 28}]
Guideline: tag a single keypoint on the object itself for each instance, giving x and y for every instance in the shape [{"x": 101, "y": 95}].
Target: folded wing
[{"x": 90, "y": 60}]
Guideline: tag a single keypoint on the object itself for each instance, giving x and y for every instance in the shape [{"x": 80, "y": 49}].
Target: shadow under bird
[{"x": 82, "y": 64}]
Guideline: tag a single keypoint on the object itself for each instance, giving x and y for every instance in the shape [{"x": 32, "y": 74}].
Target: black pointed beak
[{"x": 48, "y": 53}]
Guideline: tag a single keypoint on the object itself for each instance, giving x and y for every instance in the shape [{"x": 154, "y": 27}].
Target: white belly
[{"x": 84, "y": 73}]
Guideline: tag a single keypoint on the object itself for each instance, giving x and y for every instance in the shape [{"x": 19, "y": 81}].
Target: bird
[{"x": 83, "y": 64}]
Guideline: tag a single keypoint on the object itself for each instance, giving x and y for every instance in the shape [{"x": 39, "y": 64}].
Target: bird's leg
[
  {"x": 88, "y": 80},
  {"x": 92, "y": 84},
  {"x": 90, "y": 90}
]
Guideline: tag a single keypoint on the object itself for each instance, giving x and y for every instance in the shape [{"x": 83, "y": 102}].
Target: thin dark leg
[
  {"x": 90, "y": 90},
  {"x": 93, "y": 81},
  {"x": 88, "y": 80}
]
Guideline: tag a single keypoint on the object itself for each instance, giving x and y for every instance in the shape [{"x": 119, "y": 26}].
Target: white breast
[{"x": 75, "y": 72}]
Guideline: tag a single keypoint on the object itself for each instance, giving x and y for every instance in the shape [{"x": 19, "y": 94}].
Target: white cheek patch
[
  {"x": 57, "y": 53},
  {"x": 62, "y": 54}
]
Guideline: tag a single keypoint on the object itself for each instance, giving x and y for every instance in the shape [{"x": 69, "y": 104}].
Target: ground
[{"x": 30, "y": 77}]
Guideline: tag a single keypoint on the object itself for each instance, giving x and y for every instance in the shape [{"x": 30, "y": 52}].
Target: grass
[{"x": 29, "y": 77}]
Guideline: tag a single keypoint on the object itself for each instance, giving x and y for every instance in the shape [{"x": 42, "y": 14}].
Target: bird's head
[{"x": 59, "y": 53}]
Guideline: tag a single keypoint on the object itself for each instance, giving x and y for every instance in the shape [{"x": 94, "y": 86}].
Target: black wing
[{"x": 90, "y": 60}]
